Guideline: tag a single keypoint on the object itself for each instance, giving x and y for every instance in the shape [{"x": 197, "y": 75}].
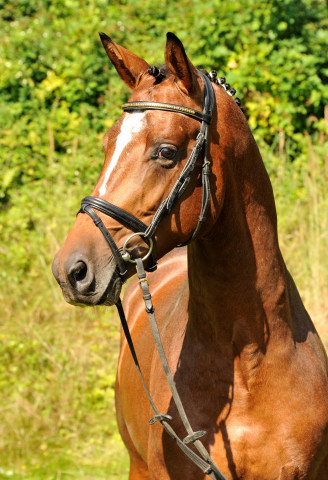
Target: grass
[
  {"x": 303, "y": 227},
  {"x": 57, "y": 395},
  {"x": 58, "y": 362}
]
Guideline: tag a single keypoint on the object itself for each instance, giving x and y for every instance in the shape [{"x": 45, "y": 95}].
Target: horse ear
[
  {"x": 128, "y": 65},
  {"x": 179, "y": 64}
]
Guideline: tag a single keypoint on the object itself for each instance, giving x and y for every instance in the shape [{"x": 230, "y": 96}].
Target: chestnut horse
[{"x": 247, "y": 362}]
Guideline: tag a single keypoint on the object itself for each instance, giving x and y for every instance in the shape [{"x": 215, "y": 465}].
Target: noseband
[{"x": 89, "y": 204}]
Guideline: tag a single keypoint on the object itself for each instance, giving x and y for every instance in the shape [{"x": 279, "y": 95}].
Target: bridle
[{"x": 88, "y": 204}]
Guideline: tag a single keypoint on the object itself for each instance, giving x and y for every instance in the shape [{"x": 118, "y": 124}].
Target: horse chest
[{"x": 252, "y": 436}]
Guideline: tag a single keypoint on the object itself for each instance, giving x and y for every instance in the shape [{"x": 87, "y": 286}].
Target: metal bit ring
[{"x": 125, "y": 254}]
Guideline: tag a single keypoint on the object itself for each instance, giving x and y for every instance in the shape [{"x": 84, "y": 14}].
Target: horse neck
[{"x": 237, "y": 277}]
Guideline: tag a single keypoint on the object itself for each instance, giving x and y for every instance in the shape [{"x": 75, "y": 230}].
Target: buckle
[
  {"x": 159, "y": 418},
  {"x": 194, "y": 436},
  {"x": 143, "y": 280}
]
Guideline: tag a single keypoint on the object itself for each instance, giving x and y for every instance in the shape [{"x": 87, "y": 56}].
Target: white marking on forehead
[{"x": 132, "y": 123}]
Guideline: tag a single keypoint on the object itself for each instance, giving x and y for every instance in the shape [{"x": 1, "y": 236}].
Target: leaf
[{"x": 8, "y": 178}]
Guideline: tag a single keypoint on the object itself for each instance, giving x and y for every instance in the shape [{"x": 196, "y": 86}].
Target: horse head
[{"x": 145, "y": 152}]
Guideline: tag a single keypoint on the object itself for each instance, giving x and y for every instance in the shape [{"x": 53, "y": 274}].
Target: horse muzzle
[{"x": 85, "y": 282}]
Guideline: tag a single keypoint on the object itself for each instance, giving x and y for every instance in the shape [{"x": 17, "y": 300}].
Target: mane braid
[{"x": 222, "y": 83}]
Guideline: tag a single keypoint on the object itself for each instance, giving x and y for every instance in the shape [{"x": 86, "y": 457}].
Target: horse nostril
[
  {"x": 80, "y": 274},
  {"x": 79, "y": 271}
]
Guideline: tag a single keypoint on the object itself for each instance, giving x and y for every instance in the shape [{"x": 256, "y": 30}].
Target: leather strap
[
  {"x": 159, "y": 417},
  {"x": 168, "y": 107},
  {"x": 109, "y": 239},
  {"x": 179, "y": 187},
  {"x": 186, "y": 174},
  {"x": 122, "y": 216},
  {"x": 205, "y": 463}
]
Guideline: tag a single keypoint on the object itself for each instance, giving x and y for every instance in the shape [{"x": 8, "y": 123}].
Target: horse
[{"x": 247, "y": 362}]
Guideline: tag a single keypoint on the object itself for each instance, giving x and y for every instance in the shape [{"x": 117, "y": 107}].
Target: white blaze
[{"x": 132, "y": 123}]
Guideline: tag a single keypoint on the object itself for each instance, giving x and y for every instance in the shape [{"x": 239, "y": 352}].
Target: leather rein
[{"x": 202, "y": 459}]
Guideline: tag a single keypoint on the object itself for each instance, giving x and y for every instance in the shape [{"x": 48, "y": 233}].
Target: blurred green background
[{"x": 58, "y": 95}]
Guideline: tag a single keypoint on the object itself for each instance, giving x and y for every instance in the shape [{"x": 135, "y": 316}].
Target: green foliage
[
  {"x": 58, "y": 95},
  {"x": 55, "y": 78},
  {"x": 57, "y": 405}
]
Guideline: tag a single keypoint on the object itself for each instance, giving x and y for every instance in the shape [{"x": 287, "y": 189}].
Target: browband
[{"x": 168, "y": 107}]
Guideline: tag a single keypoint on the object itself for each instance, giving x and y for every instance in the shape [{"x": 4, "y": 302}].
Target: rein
[{"x": 88, "y": 204}]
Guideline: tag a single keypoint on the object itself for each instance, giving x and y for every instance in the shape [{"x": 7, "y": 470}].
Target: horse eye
[{"x": 167, "y": 152}]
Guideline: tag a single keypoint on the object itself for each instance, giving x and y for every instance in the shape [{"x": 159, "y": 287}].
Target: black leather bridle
[
  {"x": 89, "y": 204},
  {"x": 202, "y": 459}
]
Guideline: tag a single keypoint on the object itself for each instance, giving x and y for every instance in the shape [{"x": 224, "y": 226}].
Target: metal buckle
[
  {"x": 144, "y": 280},
  {"x": 194, "y": 436},
  {"x": 125, "y": 254},
  {"x": 160, "y": 417}
]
